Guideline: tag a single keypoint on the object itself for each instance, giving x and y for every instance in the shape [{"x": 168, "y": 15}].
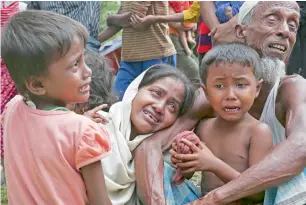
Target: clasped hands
[{"x": 201, "y": 159}]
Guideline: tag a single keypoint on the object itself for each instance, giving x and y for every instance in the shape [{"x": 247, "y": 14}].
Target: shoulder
[
  {"x": 203, "y": 126},
  {"x": 259, "y": 127},
  {"x": 260, "y": 132},
  {"x": 292, "y": 91}
]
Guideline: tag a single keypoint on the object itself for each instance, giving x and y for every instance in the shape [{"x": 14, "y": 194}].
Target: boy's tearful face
[{"x": 231, "y": 89}]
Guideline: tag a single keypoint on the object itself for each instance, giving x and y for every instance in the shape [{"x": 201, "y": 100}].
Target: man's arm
[
  {"x": 177, "y": 25},
  {"x": 108, "y": 33},
  {"x": 221, "y": 33},
  {"x": 208, "y": 12},
  {"x": 120, "y": 20},
  {"x": 149, "y": 162},
  {"x": 285, "y": 161},
  {"x": 190, "y": 15}
]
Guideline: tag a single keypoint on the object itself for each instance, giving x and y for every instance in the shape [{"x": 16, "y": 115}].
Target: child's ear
[
  {"x": 205, "y": 90},
  {"x": 35, "y": 86},
  {"x": 258, "y": 87},
  {"x": 241, "y": 32}
]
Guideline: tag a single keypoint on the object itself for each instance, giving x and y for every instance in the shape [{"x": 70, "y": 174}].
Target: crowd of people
[{"x": 233, "y": 73}]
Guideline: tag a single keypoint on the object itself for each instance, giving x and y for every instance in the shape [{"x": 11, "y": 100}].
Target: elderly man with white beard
[{"x": 270, "y": 28}]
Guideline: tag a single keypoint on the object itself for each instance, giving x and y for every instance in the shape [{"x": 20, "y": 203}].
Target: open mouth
[
  {"x": 278, "y": 47},
  {"x": 151, "y": 116},
  {"x": 85, "y": 88},
  {"x": 231, "y": 109}
]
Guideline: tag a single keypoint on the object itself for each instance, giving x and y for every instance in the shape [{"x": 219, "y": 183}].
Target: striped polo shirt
[{"x": 152, "y": 43}]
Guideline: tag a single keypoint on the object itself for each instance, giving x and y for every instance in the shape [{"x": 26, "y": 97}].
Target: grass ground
[{"x": 3, "y": 195}]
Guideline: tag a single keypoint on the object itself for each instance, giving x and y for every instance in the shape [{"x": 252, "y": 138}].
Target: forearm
[
  {"x": 108, "y": 33},
  {"x": 224, "y": 172},
  {"x": 149, "y": 167},
  {"x": 120, "y": 20},
  {"x": 149, "y": 163},
  {"x": 178, "y": 17},
  {"x": 208, "y": 11},
  {"x": 95, "y": 184},
  {"x": 284, "y": 162},
  {"x": 113, "y": 20}
]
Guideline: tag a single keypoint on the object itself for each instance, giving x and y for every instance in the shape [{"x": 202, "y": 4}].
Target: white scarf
[{"x": 119, "y": 167}]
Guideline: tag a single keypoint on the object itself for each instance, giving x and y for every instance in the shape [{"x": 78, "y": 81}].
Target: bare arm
[
  {"x": 108, "y": 33},
  {"x": 208, "y": 12},
  {"x": 260, "y": 146},
  {"x": 190, "y": 15},
  {"x": 285, "y": 161},
  {"x": 119, "y": 20},
  {"x": 95, "y": 184},
  {"x": 176, "y": 25},
  {"x": 149, "y": 162}
]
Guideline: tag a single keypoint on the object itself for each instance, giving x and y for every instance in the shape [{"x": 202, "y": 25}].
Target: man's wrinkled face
[{"x": 273, "y": 28}]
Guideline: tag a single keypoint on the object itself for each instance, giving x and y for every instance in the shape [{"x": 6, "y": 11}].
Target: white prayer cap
[{"x": 244, "y": 10}]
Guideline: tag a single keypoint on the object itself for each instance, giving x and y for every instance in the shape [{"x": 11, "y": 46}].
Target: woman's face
[{"x": 156, "y": 106}]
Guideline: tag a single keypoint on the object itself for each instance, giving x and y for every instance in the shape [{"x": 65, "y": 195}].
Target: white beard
[{"x": 272, "y": 69}]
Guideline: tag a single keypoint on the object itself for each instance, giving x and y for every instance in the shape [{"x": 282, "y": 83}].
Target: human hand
[
  {"x": 229, "y": 12},
  {"x": 142, "y": 23},
  {"x": 201, "y": 159},
  {"x": 95, "y": 116},
  {"x": 173, "y": 153},
  {"x": 225, "y": 33}
]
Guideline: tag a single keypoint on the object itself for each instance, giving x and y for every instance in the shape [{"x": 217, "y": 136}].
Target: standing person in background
[
  {"x": 142, "y": 48},
  {"x": 186, "y": 60},
  {"x": 203, "y": 40},
  {"x": 191, "y": 15},
  {"x": 215, "y": 14},
  {"x": 85, "y": 12},
  {"x": 185, "y": 31}
]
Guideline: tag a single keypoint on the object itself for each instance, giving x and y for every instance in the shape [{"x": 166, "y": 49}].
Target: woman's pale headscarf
[{"x": 119, "y": 168}]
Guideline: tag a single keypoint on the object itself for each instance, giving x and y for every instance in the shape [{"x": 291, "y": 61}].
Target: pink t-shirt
[{"x": 44, "y": 151}]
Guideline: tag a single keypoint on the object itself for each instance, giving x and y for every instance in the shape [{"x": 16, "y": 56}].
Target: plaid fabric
[
  {"x": 292, "y": 192},
  {"x": 178, "y": 194}
]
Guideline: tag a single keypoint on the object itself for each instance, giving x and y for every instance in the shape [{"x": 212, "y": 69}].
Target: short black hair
[
  {"x": 230, "y": 53},
  {"x": 160, "y": 71},
  {"x": 101, "y": 80},
  {"x": 32, "y": 40}
]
